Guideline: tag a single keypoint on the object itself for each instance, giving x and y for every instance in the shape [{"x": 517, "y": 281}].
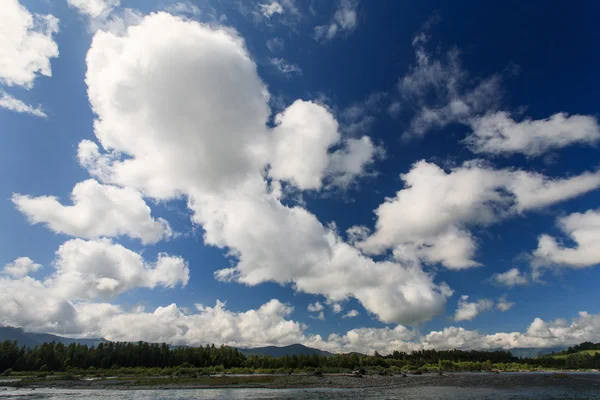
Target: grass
[{"x": 579, "y": 353}]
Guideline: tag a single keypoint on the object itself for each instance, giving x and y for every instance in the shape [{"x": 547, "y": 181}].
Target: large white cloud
[
  {"x": 431, "y": 216},
  {"x": 101, "y": 268},
  {"x": 184, "y": 102},
  {"x": 97, "y": 210},
  {"x": 26, "y": 44},
  {"x": 498, "y": 133},
  {"x": 584, "y": 230}
]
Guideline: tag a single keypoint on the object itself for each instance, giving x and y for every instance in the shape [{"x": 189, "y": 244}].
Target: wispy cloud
[
  {"x": 285, "y": 67},
  {"x": 344, "y": 21},
  {"x": 10, "y": 103}
]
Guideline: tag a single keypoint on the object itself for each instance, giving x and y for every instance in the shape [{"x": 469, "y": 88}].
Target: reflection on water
[{"x": 414, "y": 393}]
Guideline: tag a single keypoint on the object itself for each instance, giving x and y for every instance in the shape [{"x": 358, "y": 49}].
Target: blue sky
[{"x": 383, "y": 160}]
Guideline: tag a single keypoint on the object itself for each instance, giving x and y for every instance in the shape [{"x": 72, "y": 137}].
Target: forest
[{"x": 149, "y": 358}]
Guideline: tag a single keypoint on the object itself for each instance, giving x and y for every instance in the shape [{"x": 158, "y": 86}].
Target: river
[{"x": 414, "y": 393}]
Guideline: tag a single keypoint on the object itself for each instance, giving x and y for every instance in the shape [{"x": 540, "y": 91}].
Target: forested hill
[
  {"x": 291, "y": 350},
  {"x": 30, "y": 339},
  {"x": 163, "y": 359}
]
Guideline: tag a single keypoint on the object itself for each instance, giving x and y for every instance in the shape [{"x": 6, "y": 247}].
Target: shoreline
[{"x": 504, "y": 380}]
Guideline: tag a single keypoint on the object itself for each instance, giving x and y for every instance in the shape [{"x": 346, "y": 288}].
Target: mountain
[
  {"x": 532, "y": 352},
  {"x": 30, "y": 339},
  {"x": 291, "y": 350}
]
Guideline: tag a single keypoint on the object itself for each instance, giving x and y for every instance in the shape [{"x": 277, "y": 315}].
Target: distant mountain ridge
[
  {"x": 291, "y": 350},
  {"x": 30, "y": 339},
  {"x": 533, "y": 352}
]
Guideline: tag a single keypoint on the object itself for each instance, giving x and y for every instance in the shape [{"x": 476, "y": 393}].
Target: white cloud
[
  {"x": 504, "y": 305},
  {"x": 99, "y": 268},
  {"x": 270, "y": 9},
  {"x": 512, "y": 277},
  {"x": 302, "y": 137},
  {"x": 97, "y": 210},
  {"x": 466, "y": 311},
  {"x": 431, "y": 216},
  {"x": 581, "y": 228},
  {"x": 284, "y": 67},
  {"x": 20, "y": 267},
  {"x": 353, "y": 160},
  {"x": 351, "y": 314},
  {"x": 27, "y": 45},
  {"x": 498, "y": 133},
  {"x": 151, "y": 116},
  {"x": 275, "y": 44},
  {"x": 344, "y": 21},
  {"x": 10, "y": 103},
  {"x": 94, "y": 8},
  {"x": 317, "y": 306}
]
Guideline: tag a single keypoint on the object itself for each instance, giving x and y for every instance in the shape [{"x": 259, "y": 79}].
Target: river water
[{"x": 413, "y": 393}]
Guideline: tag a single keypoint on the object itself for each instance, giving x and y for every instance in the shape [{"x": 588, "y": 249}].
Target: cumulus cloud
[
  {"x": 431, "y": 216},
  {"x": 11, "y": 103},
  {"x": 83, "y": 270},
  {"x": 152, "y": 116},
  {"x": 351, "y": 314},
  {"x": 86, "y": 270},
  {"x": 467, "y": 311},
  {"x": 20, "y": 267},
  {"x": 27, "y": 45},
  {"x": 512, "y": 277},
  {"x": 94, "y": 8},
  {"x": 97, "y": 210},
  {"x": 344, "y": 21},
  {"x": 498, "y": 133},
  {"x": 581, "y": 228},
  {"x": 284, "y": 67},
  {"x": 317, "y": 306}
]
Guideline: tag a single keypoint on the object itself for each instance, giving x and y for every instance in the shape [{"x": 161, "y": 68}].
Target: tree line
[{"x": 59, "y": 357}]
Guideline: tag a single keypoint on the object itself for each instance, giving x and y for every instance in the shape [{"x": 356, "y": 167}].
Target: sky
[{"x": 349, "y": 175}]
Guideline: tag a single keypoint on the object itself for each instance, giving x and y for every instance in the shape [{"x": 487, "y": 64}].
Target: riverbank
[{"x": 464, "y": 380}]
